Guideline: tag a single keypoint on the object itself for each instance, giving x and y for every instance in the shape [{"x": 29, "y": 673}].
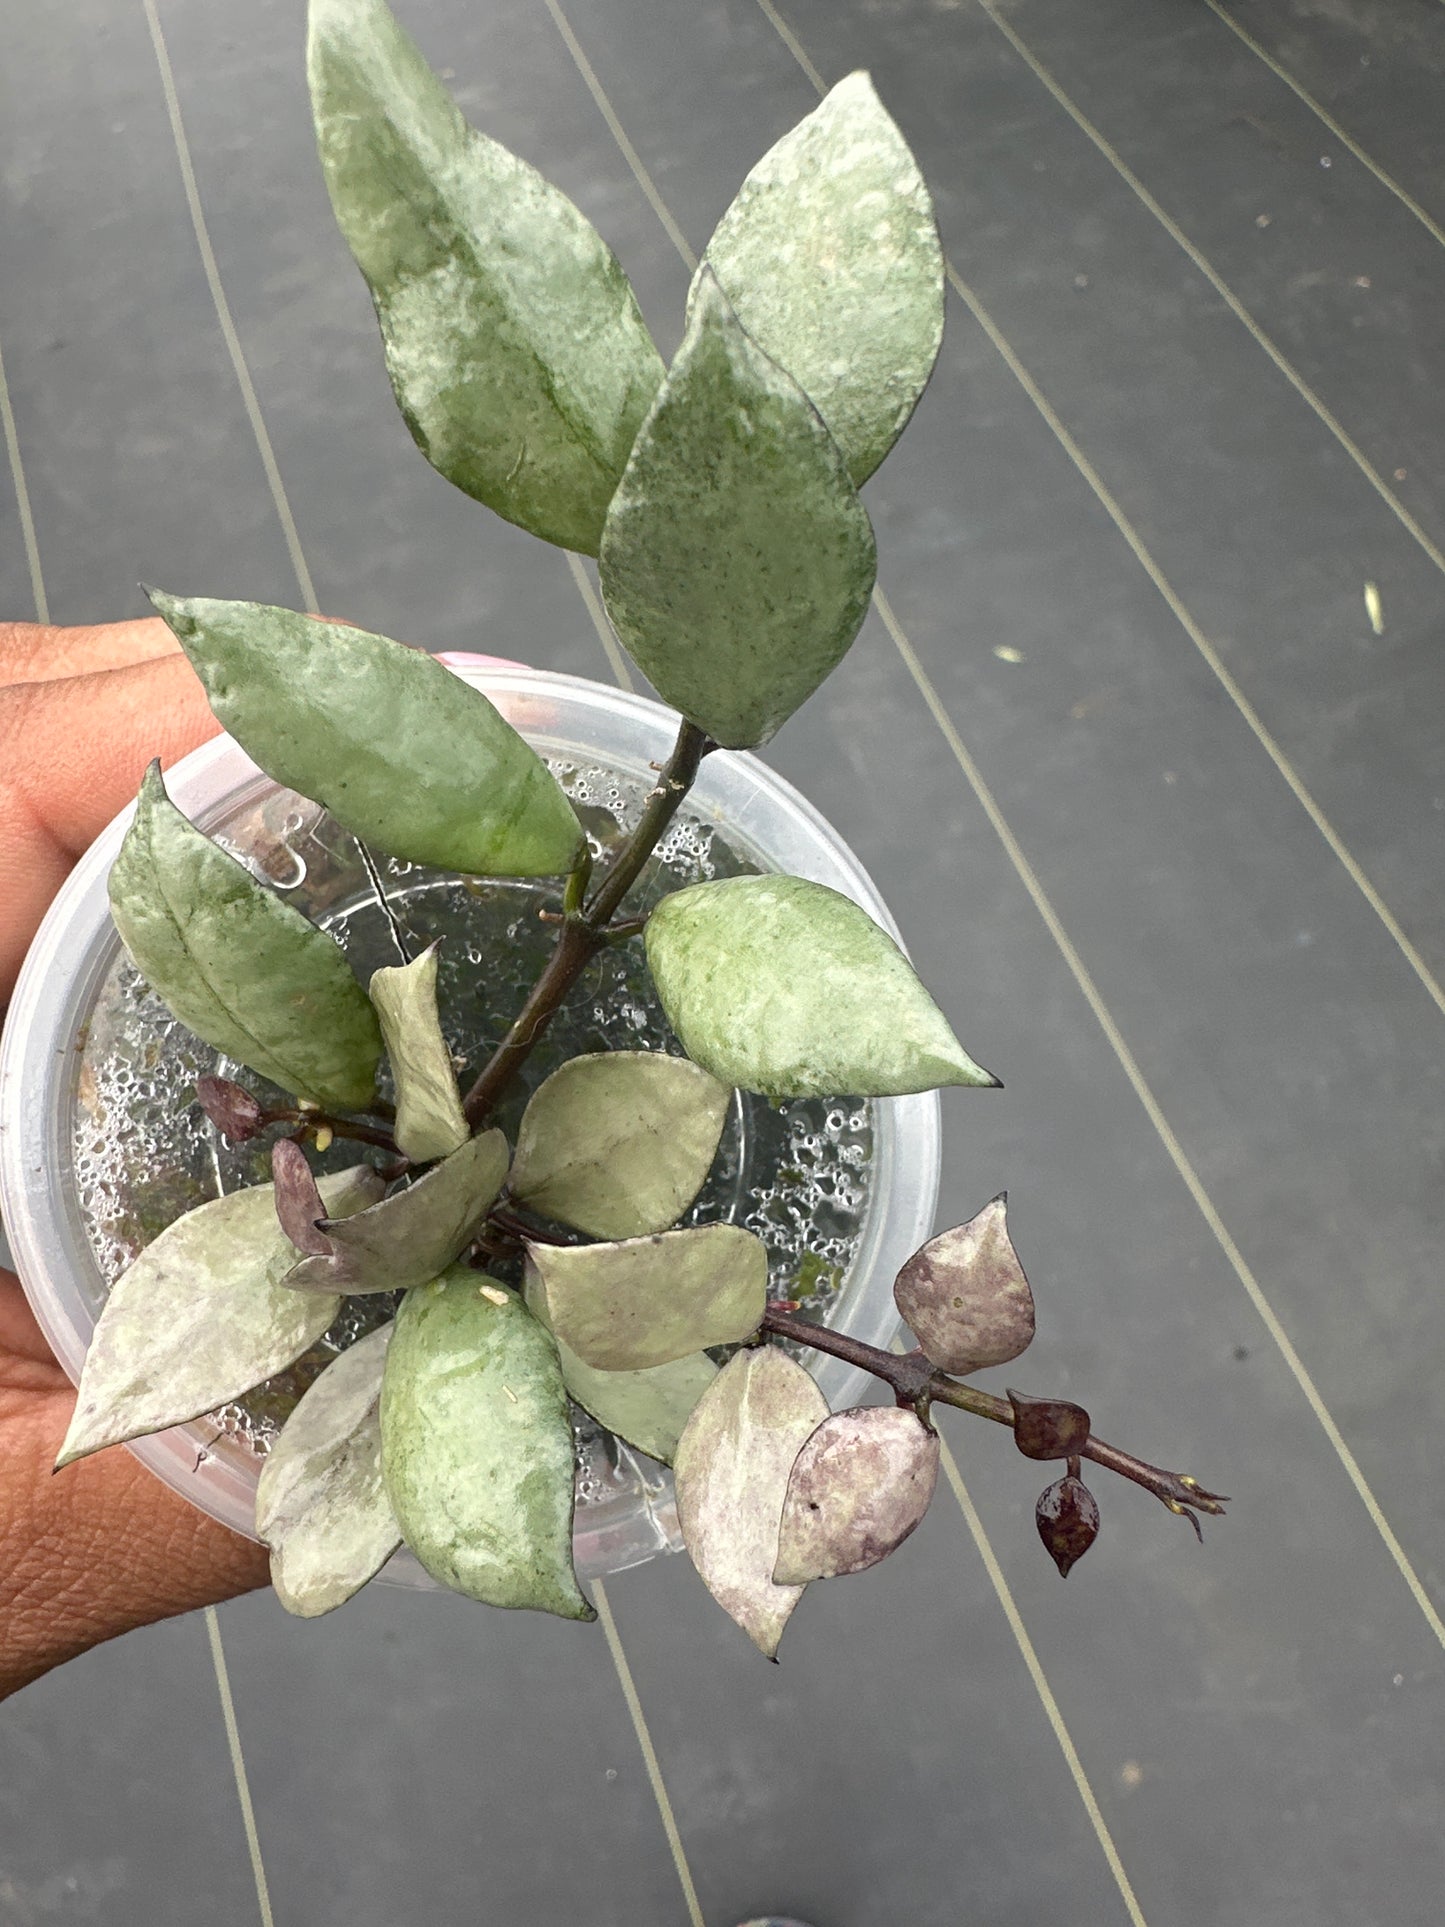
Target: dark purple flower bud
[
  {"x": 1049, "y": 1428},
  {"x": 233, "y": 1111},
  {"x": 1068, "y": 1522},
  {"x": 298, "y": 1202}
]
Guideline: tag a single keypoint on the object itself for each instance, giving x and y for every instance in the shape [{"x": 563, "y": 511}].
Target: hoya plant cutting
[{"x": 516, "y": 1251}]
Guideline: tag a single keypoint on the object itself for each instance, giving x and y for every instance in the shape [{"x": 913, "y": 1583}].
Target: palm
[{"x": 105, "y": 1546}]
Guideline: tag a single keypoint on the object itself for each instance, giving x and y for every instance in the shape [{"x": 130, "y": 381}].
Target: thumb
[{"x": 72, "y": 753}]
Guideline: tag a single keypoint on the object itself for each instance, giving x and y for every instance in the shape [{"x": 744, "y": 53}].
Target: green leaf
[
  {"x": 412, "y": 1236},
  {"x": 429, "y": 1118},
  {"x": 513, "y": 339},
  {"x": 784, "y": 987},
  {"x": 476, "y": 1445},
  {"x": 619, "y": 1143},
  {"x": 737, "y": 560},
  {"x": 625, "y": 1307},
  {"x": 858, "y": 1488},
  {"x": 321, "y": 1503},
  {"x": 201, "y": 1317},
  {"x": 400, "y": 750},
  {"x": 830, "y": 256},
  {"x": 965, "y": 1296},
  {"x": 243, "y": 970},
  {"x": 732, "y": 1470},
  {"x": 650, "y": 1408}
]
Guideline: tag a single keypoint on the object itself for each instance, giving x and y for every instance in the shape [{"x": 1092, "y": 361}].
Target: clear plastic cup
[{"x": 750, "y": 807}]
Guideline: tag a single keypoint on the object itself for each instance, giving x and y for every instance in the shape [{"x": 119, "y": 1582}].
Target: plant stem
[
  {"x": 917, "y": 1383},
  {"x": 347, "y": 1127},
  {"x": 584, "y": 925}
]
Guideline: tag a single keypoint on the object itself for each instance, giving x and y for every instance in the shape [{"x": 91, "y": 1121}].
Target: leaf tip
[{"x": 172, "y": 609}]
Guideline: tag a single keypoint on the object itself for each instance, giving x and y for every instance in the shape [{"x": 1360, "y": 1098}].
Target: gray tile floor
[{"x": 1160, "y": 812}]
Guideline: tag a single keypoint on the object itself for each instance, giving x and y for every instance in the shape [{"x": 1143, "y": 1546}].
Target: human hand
[{"x": 104, "y": 1546}]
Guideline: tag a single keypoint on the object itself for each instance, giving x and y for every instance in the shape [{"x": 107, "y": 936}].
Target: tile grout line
[
  {"x": 615, "y": 128},
  {"x": 1164, "y": 1130},
  {"x": 585, "y": 589},
  {"x": 1026, "y": 1649},
  {"x": 223, "y": 314},
  {"x": 292, "y": 539},
  {"x": 641, "y": 1731},
  {"x": 238, "y": 1766},
  {"x": 213, "y": 1625},
  {"x": 1216, "y": 281},
  {"x": 620, "y": 671},
  {"x": 1215, "y": 662},
  {"x": 649, "y": 1753},
  {"x": 1082, "y": 977},
  {"x": 1004, "y": 1594},
  {"x": 611, "y": 648},
  {"x": 22, "y": 501},
  {"x": 1347, "y": 141},
  {"x": 1165, "y": 589}
]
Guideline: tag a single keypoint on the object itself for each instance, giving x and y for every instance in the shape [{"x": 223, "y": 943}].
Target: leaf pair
[
  {"x": 632, "y": 1322},
  {"x": 414, "y": 1235},
  {"x": 447, "y": 1430},
  {"x": 405, "y": 754},
  {"x": 736, "y": 559},
  {"x": 773, "y": 1492},
  {"x": 202, "y": 1316}
]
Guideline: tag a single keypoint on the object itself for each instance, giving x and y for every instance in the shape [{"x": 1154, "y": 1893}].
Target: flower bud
[
  {"x": 234, "y": 1112},
  {"x": 1067, "y": 1515}
]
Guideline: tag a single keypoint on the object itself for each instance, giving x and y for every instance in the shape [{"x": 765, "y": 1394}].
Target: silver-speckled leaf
[
  {"x": 476, "y": 1445},
  {"x": 784, "y": 987},
  {"x": 513, "y": 339},
  {"x": 650, "y": 1408},
  {"x": 401, "y": 751},
  {"x": 858, "y": 1488},
  {"x": 626, "y": 1307},
  {"x": 413, "y": 1235},
  {"x": 243, "y": 970},
  {"x": 964, "y": 1294},
  {"x": 321, "y": 1503},
  {"x": 732, "y": 1470},
  {"x": 737, "y": 560},
  {"x": 618, "y": 1143},
  {"x": 201, "y": 1317},
  {"x": 429, "y": 1119},
  {"x": 830, "y": 255}
]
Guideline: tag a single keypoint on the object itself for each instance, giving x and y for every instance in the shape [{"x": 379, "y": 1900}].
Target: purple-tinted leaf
[
  {"x": 858, "y": 1488},
  {"x": 298, "y": 1202},
  {"x": 235, "y": 1113},
  {"x": 732, "y": 1469},
  {"x": 1068, "y": 1522},
  {"x": 414, "y": 1235},
  {"x": 1049, "y": 1428},
  {"x": 965, "y": 1295}
]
